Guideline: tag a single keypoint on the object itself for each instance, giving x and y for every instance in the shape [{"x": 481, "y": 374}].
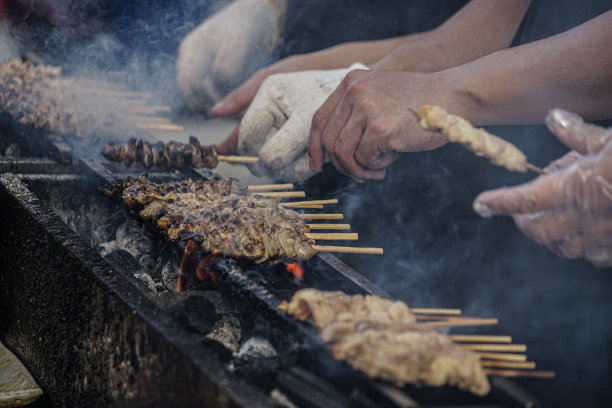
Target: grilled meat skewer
[
  {"x": 171, "y": 154},
  {"x": 220, "y": 216},
  {"x": 479, "y": 141},
  {"x": 380, "y": 338}
]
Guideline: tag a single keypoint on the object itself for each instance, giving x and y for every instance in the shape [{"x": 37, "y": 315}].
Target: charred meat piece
[
  {"x": 170, "y": 155},
  {"x": 380, "y": 337},
  {"x": 221, "y": 217}
]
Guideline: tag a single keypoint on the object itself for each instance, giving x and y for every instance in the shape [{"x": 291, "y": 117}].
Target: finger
[
  {"x": 299, "y": 170},
  {"x": 550, "y": 226},
  {"x": 319, "y": 123},
  {"x": 372, "y": 152},
  {"x": 575, "y": 134},
  {"x": 287, "y": 143},
  {"x": 543, "y": 193},
  {"x": 260, "y": 121},
  {"x": 230, "y": 144},
  {"x": 565, "y": 161},
  {"x": 570, "y": 248},
  {"x": 237, "y": 100}
]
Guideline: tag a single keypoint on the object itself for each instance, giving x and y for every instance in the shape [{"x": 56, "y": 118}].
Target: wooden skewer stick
[
  {"x": 282, "y": 194},
  {"x": 100, "y": 83},
  {"x": 145, "y": 120},
  {"x": 311, "y": 202},
  {"x": 238, "y": 159},
  {"x": 144, "y": 109},
  {"x": 322, "y": 216},
  {"x": 519, "y": 373},
  {"x": 117, "y": 93},
  {"x": 535, "y": 168},
  {"x": 528, "y": 365},
  {"x": 463, "y": 322},
  {"x": 266, "y": 187},
  {"x": 311, "y": 206},
  {"x": 480, "y": 337},
  {"x": 348, "y": 250},
  {"x": 438, "y": 311},
  {"x": 503, "y": 356},
  {"x": 331, "y": 236},
  {"x": 494, "y": 347},
  {"x": 161, "y": 126},
  {"x": 329, "y": 226}
]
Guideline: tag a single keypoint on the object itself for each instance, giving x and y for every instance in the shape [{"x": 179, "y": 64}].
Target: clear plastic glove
[
  {"x": 226, "y": 49},
  {"x": 276, "y": 126},
  {"x": 568, "y": 210}
]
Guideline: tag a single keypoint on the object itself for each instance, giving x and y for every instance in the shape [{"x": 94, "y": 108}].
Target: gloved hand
[
  {"x": 276, "y": 126},
  {"x": 568, "y": 210},
  {"x": 226, "y": 49}
]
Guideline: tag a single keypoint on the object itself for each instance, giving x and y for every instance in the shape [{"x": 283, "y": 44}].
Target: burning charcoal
[
  {"x": 13, "y": 150},
  {"x": 282, "y": 399},
  {"x": 196, "y": 312},
  {"x": 255, "y": 348},
  {"x": 227, "y": 331},
  {"x": 137, "y": 241},
  {"x": 126, "y": 261},
  {"x": 169, "y": 274}
]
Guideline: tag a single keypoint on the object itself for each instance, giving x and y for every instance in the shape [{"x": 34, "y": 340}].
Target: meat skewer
[
  {"x": 477, "y": 140},
  {"x": 381, "y": 338},
  {"x": 170, "y": 155},
  {"x": 221, "y": 216}
]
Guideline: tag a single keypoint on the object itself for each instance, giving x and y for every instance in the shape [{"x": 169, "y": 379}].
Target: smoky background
[{"x": 438, "y": 252}]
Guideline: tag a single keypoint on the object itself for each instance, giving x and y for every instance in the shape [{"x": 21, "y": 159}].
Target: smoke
[{"x": 133, "y": 42}]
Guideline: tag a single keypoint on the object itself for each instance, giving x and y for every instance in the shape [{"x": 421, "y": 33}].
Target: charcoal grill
[{"x": 94, "y": 335}]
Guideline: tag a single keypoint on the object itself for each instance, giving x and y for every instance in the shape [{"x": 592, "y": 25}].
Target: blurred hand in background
[
  {"x": 226, "y": 49},
  {"x": 568, "y": 210}
]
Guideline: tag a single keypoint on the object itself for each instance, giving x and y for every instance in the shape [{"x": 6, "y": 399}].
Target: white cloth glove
[
  {"x": 226, "y": 49},
  {"x": 276, "y": 126}
]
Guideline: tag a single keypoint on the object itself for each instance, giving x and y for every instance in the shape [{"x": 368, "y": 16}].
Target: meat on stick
[{"x": 477, "y": 140}]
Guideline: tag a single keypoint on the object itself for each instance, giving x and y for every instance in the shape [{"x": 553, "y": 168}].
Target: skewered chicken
[
  {"x": 336, "y": 313},
  {"x": 479, "y": 141},
  {"x": 220, "y": 216},
  {"x": 38, "y": 95},
  {"x": 380, "y": 337},
  {"x": 171, "y": 154}
]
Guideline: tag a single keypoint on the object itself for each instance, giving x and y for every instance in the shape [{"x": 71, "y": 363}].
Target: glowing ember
[
  {"x": 204, "y": 270},
  {"x": 191, "y": 263},
  {"x": 296, "y": 269}
]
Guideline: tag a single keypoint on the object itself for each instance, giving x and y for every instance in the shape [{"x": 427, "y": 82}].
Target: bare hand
[{"x": 367, "y": 120}]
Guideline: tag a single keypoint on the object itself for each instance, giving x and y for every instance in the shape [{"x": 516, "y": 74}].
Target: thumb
[
  {"x": 290, "y": 141},
  {"x": 571, "y": 130}
]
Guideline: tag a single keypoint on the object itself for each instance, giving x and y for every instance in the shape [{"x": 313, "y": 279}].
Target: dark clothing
[{"x": 317, "y": 24}]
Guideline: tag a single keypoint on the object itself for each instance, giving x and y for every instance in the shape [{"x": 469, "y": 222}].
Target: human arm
[
  {"x": 366, "y": 121},
  {"x": 479, "y": 28}
]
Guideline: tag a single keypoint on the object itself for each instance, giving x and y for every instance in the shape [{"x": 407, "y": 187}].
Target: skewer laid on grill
[
  {"x": 170, "y": 154},
  {"x": 223, "y": 217}
]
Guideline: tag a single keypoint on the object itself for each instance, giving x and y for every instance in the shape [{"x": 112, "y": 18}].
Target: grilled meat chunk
[
  {"x": 171, "y": 154},
  {"x": 479, "y": 141}
]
